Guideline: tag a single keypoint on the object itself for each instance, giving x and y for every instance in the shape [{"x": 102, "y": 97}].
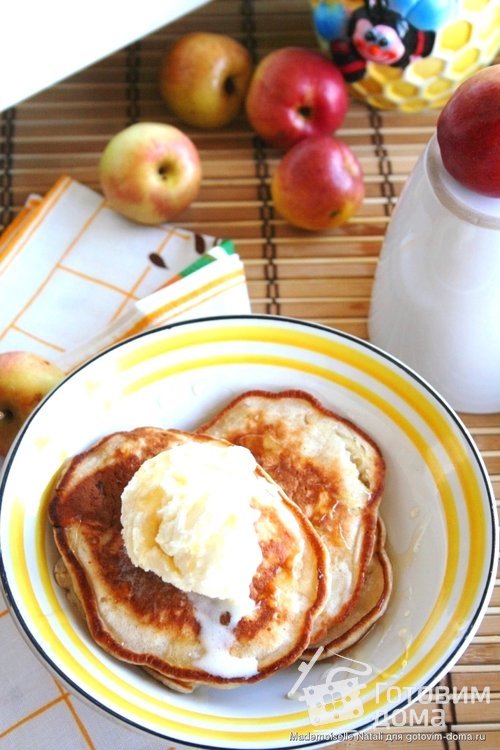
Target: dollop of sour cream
[{"x": 187, "y": 515}]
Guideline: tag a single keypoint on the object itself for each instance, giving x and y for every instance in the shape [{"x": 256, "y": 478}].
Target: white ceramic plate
[{"x": 438, "y": 508}]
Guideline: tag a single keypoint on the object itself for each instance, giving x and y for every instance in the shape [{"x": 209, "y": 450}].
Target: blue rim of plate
[{"x": 449, "y": 659}]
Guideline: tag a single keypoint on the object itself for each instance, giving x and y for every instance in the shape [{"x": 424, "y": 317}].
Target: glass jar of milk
[{"x": 436, "y": 296}]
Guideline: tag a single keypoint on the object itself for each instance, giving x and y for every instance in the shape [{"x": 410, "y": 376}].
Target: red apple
[
  {"x": 204, "y": 78},
  {"x": 296, "y": 93},
  {"x": 468, "y": 133},
  {"x": 25, "y": 378},
  {"x": 150, "y": 172},
  {"x": 318, "y": 184}
]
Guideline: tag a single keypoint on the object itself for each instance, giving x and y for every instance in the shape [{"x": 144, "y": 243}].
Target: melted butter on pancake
[{"x": 218, "y": 618}]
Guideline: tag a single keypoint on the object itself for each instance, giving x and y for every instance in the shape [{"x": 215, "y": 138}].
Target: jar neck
[{"x": 480, "y": 210}]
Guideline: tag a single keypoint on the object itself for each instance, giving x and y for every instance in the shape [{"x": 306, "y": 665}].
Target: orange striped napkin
[{"x": 75, "y": 277}]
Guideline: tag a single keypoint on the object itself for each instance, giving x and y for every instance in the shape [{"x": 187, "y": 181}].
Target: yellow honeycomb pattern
[{"x": 463, "y": 46}]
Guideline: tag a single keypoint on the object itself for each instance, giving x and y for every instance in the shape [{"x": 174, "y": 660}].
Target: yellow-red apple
[
  {"x": 204, "y": 78},
  {"x": 318, "y": 184},
  {"x": 150, "y": 172},
  {"x": 468, "y": 133},
  {"x": 25, "y": 378},
  {"x": 295, "y": 93}
]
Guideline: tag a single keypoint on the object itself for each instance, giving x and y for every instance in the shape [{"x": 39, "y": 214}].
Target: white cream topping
[
  {"x": 217, "y": 638},
  {"x": 187, "y": 516}
]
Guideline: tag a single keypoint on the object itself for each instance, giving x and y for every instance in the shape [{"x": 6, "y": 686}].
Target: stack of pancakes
[{"x": 324, "y": 578}]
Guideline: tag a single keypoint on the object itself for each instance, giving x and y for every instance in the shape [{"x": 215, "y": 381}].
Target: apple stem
[
  {"x": 229, "y": 86},
  {"x": 305, "y": 112},
  {"x": 5, "y": 414}
]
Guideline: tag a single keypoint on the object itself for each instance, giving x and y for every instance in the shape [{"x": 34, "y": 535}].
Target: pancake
[
  {"x": 333, "y": 471},
  {"x": 139, "y": 618},
  {"x": 369, "y": 607},
  {"x": 64, "y": 580}
]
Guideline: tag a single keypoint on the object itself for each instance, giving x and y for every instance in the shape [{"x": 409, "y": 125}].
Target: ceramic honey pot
[{"x": 407, "y": 55}]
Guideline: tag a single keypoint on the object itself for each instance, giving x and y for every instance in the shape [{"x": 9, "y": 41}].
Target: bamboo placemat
[{"x": 325, "y": 277}]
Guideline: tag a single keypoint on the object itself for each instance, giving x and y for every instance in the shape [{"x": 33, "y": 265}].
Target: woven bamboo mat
[{"x": 325, "y": 277}]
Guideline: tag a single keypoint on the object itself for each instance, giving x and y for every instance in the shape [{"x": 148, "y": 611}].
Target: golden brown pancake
[
  {"x": 335, "y": 474},
  {"x": 137, "y": 617},
  {"x": 64, "y": 580},
  {"x": 369, "y": 607}
]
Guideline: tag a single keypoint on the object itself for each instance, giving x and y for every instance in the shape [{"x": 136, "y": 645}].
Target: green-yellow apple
[
  {"x": 150, "y": 172},
  {"x": 25, "y": 378},
  {"x": 204, "y": 78},
  {"x": 296, "y": 93},
  {"x": 468, "y": 133},
  {"x": 318, "y": 184}
]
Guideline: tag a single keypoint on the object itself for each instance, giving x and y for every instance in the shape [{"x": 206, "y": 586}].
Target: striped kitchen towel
[{"x": 76, "y": 277}]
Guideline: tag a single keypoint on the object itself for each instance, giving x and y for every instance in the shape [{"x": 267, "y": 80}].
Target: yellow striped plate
[{"x": 438, "y": 508}]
